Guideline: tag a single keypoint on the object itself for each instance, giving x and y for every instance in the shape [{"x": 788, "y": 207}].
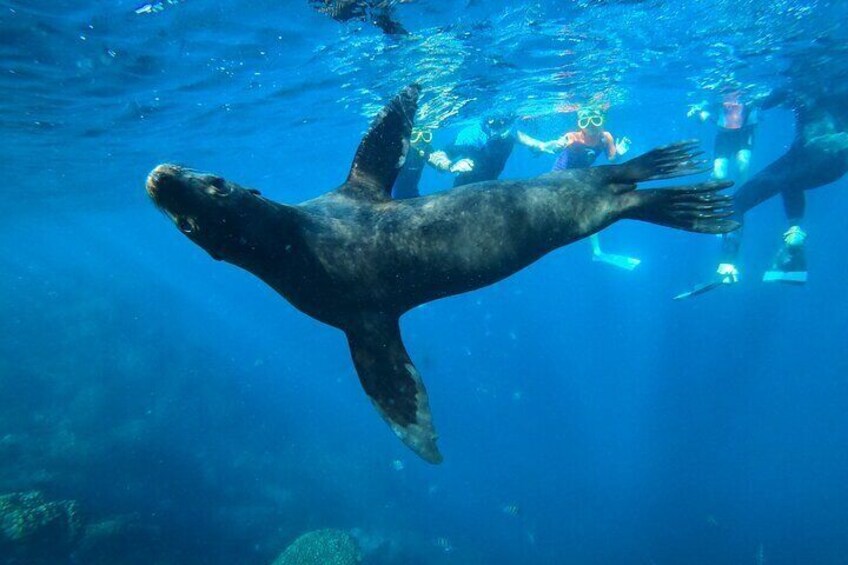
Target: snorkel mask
[
  {"x": 497, "y": 125},
  {"x": 586, "y": 118},
  {"x": 420, "y": 136}
]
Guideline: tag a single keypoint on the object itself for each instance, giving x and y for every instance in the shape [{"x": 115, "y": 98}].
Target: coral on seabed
[
  {"x": 35, "y": 530},
  {"x": 322, "y": 547}
]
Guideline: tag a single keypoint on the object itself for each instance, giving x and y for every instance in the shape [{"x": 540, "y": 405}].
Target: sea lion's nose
[{"x": 158, "y": 177}]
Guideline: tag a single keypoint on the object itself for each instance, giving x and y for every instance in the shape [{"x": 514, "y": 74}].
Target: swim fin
[
  {"x": 786, "y": 277},
  {"x": 790, "y": 265},
  {"x": 620, "y": 261}
]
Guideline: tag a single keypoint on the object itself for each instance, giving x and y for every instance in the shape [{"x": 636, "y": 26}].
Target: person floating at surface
[
  {"x": 378, "y": 12},
  {"x": 488, "y": 143},
  {"x": 421, "y": 153},
  {"x": 579, "y": 150},
  {"x": 818, "y": 156},
  {"x": 734, "y": 140}
]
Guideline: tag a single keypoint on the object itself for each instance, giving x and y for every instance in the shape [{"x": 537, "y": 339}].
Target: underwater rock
[
  {"x": 120, "y": 539},
  {"x": 33, "y": 530},
  {"x": 322, "y": 547}
]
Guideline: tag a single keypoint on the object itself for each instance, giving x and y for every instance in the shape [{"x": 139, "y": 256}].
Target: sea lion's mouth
[{"x": 158, "y": 178}]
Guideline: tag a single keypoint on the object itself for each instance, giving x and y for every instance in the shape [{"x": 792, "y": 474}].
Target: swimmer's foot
[
  {"x": 620, "y": 261},
  {"x": 790, "y": 265}
]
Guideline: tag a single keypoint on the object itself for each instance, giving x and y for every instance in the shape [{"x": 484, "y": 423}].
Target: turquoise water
[{"x": 585, "y": 417}]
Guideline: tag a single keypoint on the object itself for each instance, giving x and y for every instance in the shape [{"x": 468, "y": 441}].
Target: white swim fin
[{"x": 620, "y": 261}]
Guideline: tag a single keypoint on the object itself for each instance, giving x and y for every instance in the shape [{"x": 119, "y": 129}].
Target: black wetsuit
[
  {"x": 406, "y": 185},
  {"x": 814, "y": 159},
  {"x": 488, "y": 153}
]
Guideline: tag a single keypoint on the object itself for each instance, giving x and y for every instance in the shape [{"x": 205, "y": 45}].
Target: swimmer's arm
[
  {"x": 553, "y": 146},
  {"x": 612, "y": 151},
  {"x": 775, "y": 98}
]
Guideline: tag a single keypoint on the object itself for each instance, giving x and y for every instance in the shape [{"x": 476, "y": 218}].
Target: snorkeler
[
  {"x": 488, "y": 144},
  {"x": 734, "y": 140},
  {"x": 818, "y": 156},
  {"x": 421, "y": 153},
  {"x": 579, "y": 150},
  {"x": 378, "y": 12}
]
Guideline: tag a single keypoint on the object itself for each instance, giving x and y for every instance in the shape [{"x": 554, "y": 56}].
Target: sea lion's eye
[
  {"x": 218, "y": 187},
  {"x": 186, "y": 226}
]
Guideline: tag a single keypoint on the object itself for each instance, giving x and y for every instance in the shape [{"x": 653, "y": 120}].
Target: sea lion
[{"x": 357, "y": 260}]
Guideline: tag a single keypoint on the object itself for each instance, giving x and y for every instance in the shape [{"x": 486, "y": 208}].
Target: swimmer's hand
[
  {"x": 698, "y": 110},
  {"x": 622, "y": 145},
  {"x": 439, "y": 159},
  {"x": 462, "y": 166},
  {"x": 728, "y": 272}
]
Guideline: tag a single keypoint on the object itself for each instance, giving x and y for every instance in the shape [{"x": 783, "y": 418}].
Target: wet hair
[{"x": 588, "y": 112}]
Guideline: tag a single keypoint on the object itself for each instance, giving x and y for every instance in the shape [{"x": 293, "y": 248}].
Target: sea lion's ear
[{"x": 382, "y": 152}]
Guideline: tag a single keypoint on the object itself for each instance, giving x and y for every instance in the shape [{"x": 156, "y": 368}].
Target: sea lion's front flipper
[
  {"x": 382, "y": 152},
  {"x": 394, "y": 384}
]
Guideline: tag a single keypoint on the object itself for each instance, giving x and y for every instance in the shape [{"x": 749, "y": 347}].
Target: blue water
[{"x": 584, "y": 416}]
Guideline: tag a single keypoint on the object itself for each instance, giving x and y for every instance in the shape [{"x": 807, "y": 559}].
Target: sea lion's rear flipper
[
  {"x": 394, "y": 384},
  {"x": 667, "y": 162},
  {"x": 382, "y": 152},
  {"x": 697, "y": 207}
]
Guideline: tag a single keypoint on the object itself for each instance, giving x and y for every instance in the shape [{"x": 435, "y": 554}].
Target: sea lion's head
[{"x": 209, "y": 210}]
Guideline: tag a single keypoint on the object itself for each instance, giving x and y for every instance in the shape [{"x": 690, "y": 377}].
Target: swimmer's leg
[
  {"x": 760, "y": 188},
  {"x": 790, "y": 263},
  {"x": 789, "y": 177},
  {"x": 767, "y": 183},
  {"x": 794, "y": 205},
  {"x": 743, "y": 164},
  {"x": 722, "y": 151},
  {"x": 720, "y": 168},
  {"x": 791, "y": 173}
]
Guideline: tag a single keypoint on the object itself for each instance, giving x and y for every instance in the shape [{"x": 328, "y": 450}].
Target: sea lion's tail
[{"x": 696, "y": 207}]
